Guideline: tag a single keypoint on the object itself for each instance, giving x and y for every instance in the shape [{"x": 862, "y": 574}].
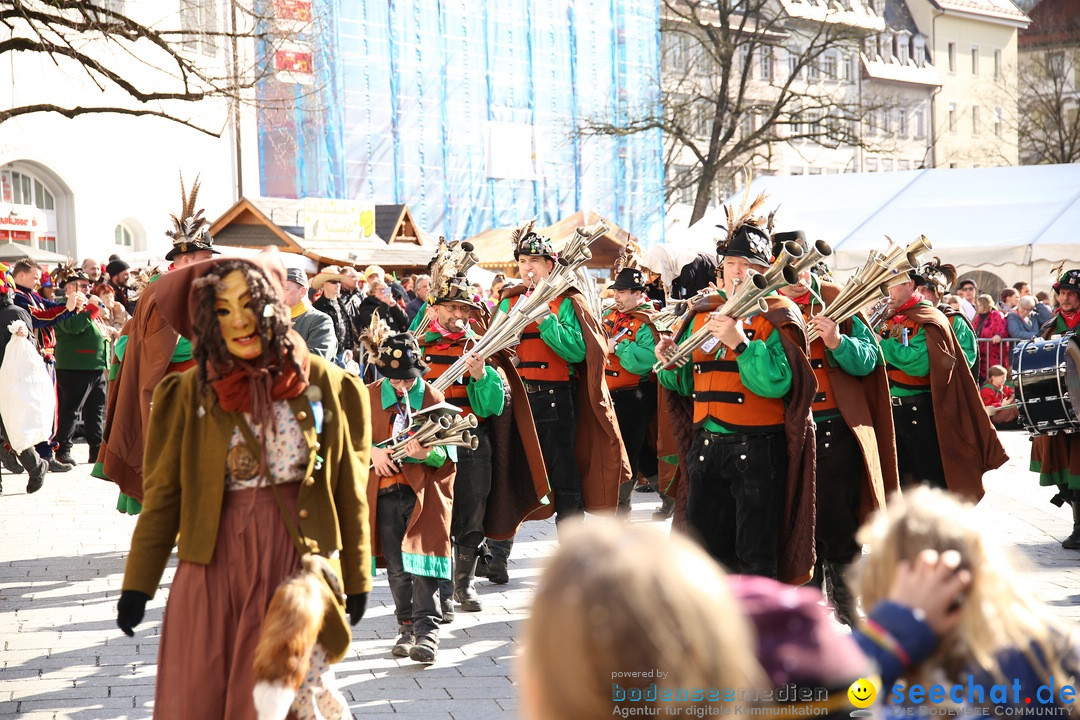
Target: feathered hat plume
[
  {"x": 374, "y": 337},
  {"x": 190, "y": 223},
  {"x": 744, "y": 215},
  {"x": 629, "y": 256}
]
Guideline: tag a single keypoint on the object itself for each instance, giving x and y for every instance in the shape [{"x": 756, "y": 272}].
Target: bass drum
[{"x": 1047, "y": 378}]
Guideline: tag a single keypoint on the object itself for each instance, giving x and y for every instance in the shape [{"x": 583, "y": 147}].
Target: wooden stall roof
[
  {"x": 258, "y": 222},
  {"x": 496, "y": 252}
]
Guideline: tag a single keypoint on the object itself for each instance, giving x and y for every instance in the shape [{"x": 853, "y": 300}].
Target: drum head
[{"x": 1072, "y": 372}]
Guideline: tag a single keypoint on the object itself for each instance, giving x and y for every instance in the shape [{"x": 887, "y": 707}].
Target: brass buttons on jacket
[
  {"x": 310, "y": 481},
  {"x": 303, "y": 514},
  {"x": 302, "y": 415}
]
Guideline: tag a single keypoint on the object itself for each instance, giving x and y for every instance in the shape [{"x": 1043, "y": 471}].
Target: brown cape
[
  {"x": 866, "y": 407},
  {"x": 519, "y": 482},
  {"x": 150, "y": 347},
  {"x": 797, "y": 525},
  {"x": 428, "y": 533},
  {"x": 601, "y": 455},
  {"x": 968, "y": 442}
]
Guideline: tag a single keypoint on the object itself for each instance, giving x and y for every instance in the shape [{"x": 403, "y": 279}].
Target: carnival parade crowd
[{"x": 818, "y": 447}]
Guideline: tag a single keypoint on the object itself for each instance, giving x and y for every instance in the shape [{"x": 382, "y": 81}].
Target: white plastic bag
[{"x": 28, "y": 401}]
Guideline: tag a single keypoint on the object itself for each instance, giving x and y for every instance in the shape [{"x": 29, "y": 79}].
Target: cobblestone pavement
[{"x": 62, "y": 559}]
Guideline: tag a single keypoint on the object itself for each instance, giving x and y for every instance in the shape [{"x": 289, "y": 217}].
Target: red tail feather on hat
[{"x": 289, "y": 631}]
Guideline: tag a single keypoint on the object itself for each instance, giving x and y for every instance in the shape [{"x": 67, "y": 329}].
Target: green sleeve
[
  {"x": 486, "y": 394},
  {"x": 504, "y": 306},
  {"x": 857, "y": 354},
  {"x": 74, "y": 323},
  {"x": 562, "y": 333},
  {"x": 966, "y": 337},
  {"x": 681, "y": 379},
  {"x": 913, "y": 359},
  {"x": 639, "y": 355},
  {"x": 418, "y": 318},
  {"x": 764, "y": 369},
  {"x": 436, "y": 457},
  {"x": 120, "y": 346}
]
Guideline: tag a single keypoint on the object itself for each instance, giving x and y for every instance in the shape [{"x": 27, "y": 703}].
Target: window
[
  {"x": 974, "y": 119},
  {"x": 122, "y": 236},
  {"x": 796, "y": 171},
  {"x": 871, "y": 165},
  {"x": 682, "y": 177},
  {"x": 766, "y": 64},
  {"x": 747, "y": 59},
  {"x": 952, "y": 117},
  {"x": 21, "y": 189},
  {"x": 849, "y": 68},
  {"x": 974, "y": 59},
  {"x": 903, "y": 164},
  {"x": 792, "y": 63},
  {"x": 1055, "y": 64},
  {"x": 997, "y": 64},
  {"x": 997, "y": 121},
  {"x": 830, "y": 66},
  {"x": 886, "y": 123},
  {"x": 815, "y": 171},
  {"x": 952, "y": 57},
  {"x": 198, "y": 19},
  {"x": 903, "y": 50},
  {"x": 901, "y": 123},
  {"x": 815, "y": 70},
  {"x": 886, "y": 165},
  {"x": 746, "y": 125},
  {"x": 920, "y": 50},
  {"x": 920, "y": 123}
]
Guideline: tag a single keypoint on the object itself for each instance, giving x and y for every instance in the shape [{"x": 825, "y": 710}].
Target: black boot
[
  {"x": 500, "y": 551},
  {"x": 464, "y": 574},
  {"x": 626, "y": 492},
  {"x": 840, "y": 595},
  {"x": 37, "y": 468},
  {"x": 483, "y": 557},
  {"x": 10, "y": 460},
  {"x": 446, "y": 592},
  {"x": 1073, "y": 541}
]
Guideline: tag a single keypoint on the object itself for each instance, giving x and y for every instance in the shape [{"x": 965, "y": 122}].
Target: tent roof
[
  {"x": 258, "y": 222},
  {"x": 495, "y": 251},
  {"x": 974, "y": 216}
]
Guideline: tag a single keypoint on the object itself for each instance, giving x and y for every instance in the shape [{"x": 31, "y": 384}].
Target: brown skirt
[{"x": 215, "y": 612}]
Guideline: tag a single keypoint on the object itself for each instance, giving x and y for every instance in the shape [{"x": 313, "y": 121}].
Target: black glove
[
  {"x": 130, "y": 610},
  {"x": 355, "y": 606}
]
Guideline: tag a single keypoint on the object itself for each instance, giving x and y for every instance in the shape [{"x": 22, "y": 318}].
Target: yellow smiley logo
[{"x": 862, "y": 693}]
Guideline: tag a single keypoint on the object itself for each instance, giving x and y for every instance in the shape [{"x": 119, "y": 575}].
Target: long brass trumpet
[
  {"x": 747, "y": 299},
  {"x": 504, "y": 330},
  {"x": 438, "y": 430},
  {"x": 871, "y": 284}
]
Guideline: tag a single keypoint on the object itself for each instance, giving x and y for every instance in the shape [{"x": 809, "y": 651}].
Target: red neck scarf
[
  {"x": 1072, "y": 319},
  {"x": 250, "y": 389},
  {"x": 915, "y": 299}
]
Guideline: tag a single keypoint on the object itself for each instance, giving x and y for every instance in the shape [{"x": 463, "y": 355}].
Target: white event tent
[{"x": 1014, "y": 223}]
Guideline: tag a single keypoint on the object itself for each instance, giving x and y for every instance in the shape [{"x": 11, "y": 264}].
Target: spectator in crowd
[
  {"x": 351, "y": 296},
  {"x": 374, "y": 272},
  {"x": 92, "y": 269},
  {"x": 946, "y": 606},
  {"x": 497, "y": 284},
  {"x": 397, "y": 292},
  {"x": 1021, "y": 322},
  {"x": 119, "y": 274},
  {"x": 989, "y": 325},
  {"x": 328, "y": 283},
  {"x": 999, "y": 398},
  {"x": 313, "y": 326},
  {"x": 380, "y": 300},
  {"x": 1022, "y": 288},
  {"x": 702, "y": 639},
  {"x": 1009, "y": 299},
  {"x": 967, "y": 291},
  {"x": 45, "y": 285},
  {"x": 954, "y": 302},
  {"x": 682, "y": 272},
  {"x": 351, "y": 366},
  {"x": 420, "y": 296},
  {"x": 28, "y": 460},
  {"x": 82, "y": 360},
  {"x": 45, "y": 314},
  {"x": 409, "y": 283},
  {"x": 112, "y": 314},
  {"x": 1042, "y": 311}
]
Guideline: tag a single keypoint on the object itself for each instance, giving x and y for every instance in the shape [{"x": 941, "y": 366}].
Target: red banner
[
  {"x": 298, "y": 10},
  {"x": 293, "y": 61}
]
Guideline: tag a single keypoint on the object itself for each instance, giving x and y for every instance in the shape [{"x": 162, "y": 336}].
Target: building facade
[
  {"x": 468, "y": 112},
  {"x": 104, "y": 183}
]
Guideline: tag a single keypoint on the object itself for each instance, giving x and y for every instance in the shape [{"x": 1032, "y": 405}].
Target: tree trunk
[{"x": 704, "y": 194}]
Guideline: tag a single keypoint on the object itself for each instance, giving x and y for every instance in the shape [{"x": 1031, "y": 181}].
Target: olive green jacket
[{"x": 184, "y": 476}]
